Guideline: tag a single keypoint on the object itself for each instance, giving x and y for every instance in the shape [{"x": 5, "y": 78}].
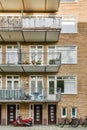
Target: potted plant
[
  {"x": 38, "y": 61},
  {"x": 33, "y": 59},
  {"x": 52, "y": 61}
]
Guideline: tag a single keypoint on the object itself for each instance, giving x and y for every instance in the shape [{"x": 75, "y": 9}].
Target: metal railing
[
  {"x": 19, "y": 94},
  {"x": 33, "y": 22},
  {"x": 32, "y": 58},
  {"x": 6, "y": 94}
]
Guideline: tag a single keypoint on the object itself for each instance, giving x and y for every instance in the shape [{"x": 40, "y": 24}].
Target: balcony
[
  {"x": 29, "y": 5},
  {"x": 30, "y": 62},
  {"x": 30, "y": 29},
  {"x": 18, "y": 95}
]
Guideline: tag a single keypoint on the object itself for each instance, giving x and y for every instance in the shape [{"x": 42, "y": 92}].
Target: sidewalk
[{"x": 41, "y": 128}]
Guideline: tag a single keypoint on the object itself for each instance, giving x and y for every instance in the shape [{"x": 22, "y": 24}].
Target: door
[
  {"x": 11, "y": 114},
  {"x": 51, "y": 114},
  {"x": 0, "y": 114},
  {"x": 51, "y": 91},
  {"x": 37, "y": 114}
]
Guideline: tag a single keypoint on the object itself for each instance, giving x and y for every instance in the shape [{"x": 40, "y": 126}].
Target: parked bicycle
[
  {"x": 74, "y": 122},
  {"x": 83, "y": 121}
]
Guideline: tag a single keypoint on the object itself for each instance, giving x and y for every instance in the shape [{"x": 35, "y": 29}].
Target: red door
[
  {"x": 11, "y": 114},
  {"x": 0, "y": 114},
  {"x": 37, "y": 114},
  {"x": 51, "y": 114}
]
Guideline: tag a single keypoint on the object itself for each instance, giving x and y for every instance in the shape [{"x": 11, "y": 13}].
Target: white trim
[
  {"x": 64, "y": 116},
  {"x": 55, "y": 79},
  {"x": 68, "y": 1},
  {"x": 36, "y": 49},
  {"x": 71, "y": 45},
  {"x": 75, "y": 112},
  {"x": 13, "y": 80},
  {"x": 1, "y": 82},
  {"x": 36, "y": 82}
]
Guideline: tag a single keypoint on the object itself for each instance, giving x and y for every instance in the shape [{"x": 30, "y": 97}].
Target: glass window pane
[
  {"x": 51, "y": 87},
  {"x": 39, "y": 87},
  {"x": 9, "y": 84},
  {"x": 60, "y": 84},
  {"x": 16, "y": 84},
  {"x": 33, "y": 86}
]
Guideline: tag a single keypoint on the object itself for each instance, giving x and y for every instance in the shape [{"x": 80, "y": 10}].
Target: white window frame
[
  {"x": 1, "y": 81},
  {"x": 62, "y": 51},
  {"x": 75, "y": 112},
  {"x": 36, "y": 51},
  {"x": 67, "y": 21},
  {"x": 1, "y": 54},
  {"x": 36, "y": 81},
  {"x": 12, "y": 80},
  {"x": 13, "y": 51},
  {"x": 68, "y": 1},
  {"x": 64, "y": 78},
  {"x": 64, "y": 116},
  {"x": 75, "y": 81}
]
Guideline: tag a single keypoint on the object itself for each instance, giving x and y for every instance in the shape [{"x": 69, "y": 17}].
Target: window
[
  {"x": 74, "y": 112},
  {"x": 68, "y": 0},
  {"x": 68, "y": 53},
  {"x": 36, "y": 54},
  {"x": 67, "y": 84},
  {"x": 13, "y": 82},
  {"x": 69, "y": 24},
  {"x": 64, "y": 112},
  {"x": 53, "y": 55},
  {"x": 12, "y": 54},
  {"x": 51, "y": 85},
  {"x": 0, "y": 54},
  {"x": 0, "y": 82},
  {"x": 36, "y": 84}
]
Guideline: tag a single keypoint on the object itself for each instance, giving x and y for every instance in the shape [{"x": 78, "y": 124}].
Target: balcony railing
[
  {"x": 30, "y": 29},
  {"x": 18, "y": 22},
  {"x": 20, "y": 95},
  {"x": 30, "y": 62},
  {"x": 41, "y": 23}
]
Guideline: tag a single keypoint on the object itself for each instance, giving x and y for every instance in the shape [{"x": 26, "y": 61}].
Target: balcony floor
[
  {"x": 29, "y": 5},
  {"x": 29, "y": 68},
  {"x": 29, "y": 35}
]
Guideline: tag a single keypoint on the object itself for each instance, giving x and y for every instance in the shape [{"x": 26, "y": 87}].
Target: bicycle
[
  {"x": 72, "y": 122},
  {"x": 83, "y": 121}
]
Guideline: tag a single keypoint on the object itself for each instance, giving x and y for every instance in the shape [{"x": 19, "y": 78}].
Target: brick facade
[{"x": 79, "y": 39}]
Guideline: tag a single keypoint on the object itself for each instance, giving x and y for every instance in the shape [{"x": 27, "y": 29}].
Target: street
[{"x": 41, "y": 128}]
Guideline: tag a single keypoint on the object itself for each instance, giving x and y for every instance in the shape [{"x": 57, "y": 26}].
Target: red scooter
[{"x": 20, "y": 122}]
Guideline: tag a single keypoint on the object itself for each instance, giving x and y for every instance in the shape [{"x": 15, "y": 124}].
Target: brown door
[
  {"x": 11, "y": 114},
  {"x": 0, "y": 114},
  {"x": 37, "y": 114},
  {"x": 51, "y": 114}
]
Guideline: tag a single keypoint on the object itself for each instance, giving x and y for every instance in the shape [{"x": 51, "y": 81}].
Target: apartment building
[{"x": 42, "y": 51}]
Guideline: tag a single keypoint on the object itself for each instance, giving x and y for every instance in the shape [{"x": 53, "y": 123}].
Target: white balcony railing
[
  {"x": 41, "y": 22},
  {"x": 18, "y": 22},
  {"x": 19, "y": 94}
]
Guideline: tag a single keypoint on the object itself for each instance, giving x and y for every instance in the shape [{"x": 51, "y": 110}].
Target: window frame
[
  {"x": 69, "y": 20},
  {"x": 63, "y": 76},
  {"x": 68, "y": 1},
  {"x": 1, "y": 81},
  {"x": 12, "y": 81},
  {"x": 36, "y": 81},
  {"x": 64, "y": 116},
  {"x": 36, "y": 51},
  {"x": 61, "y": 51},
  {"x": 75, "y": 112}
]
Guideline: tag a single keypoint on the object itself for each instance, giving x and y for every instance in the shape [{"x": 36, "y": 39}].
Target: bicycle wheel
[
  {"x": 61, "y": 125},
  {"x": 75, "y": 123}
]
